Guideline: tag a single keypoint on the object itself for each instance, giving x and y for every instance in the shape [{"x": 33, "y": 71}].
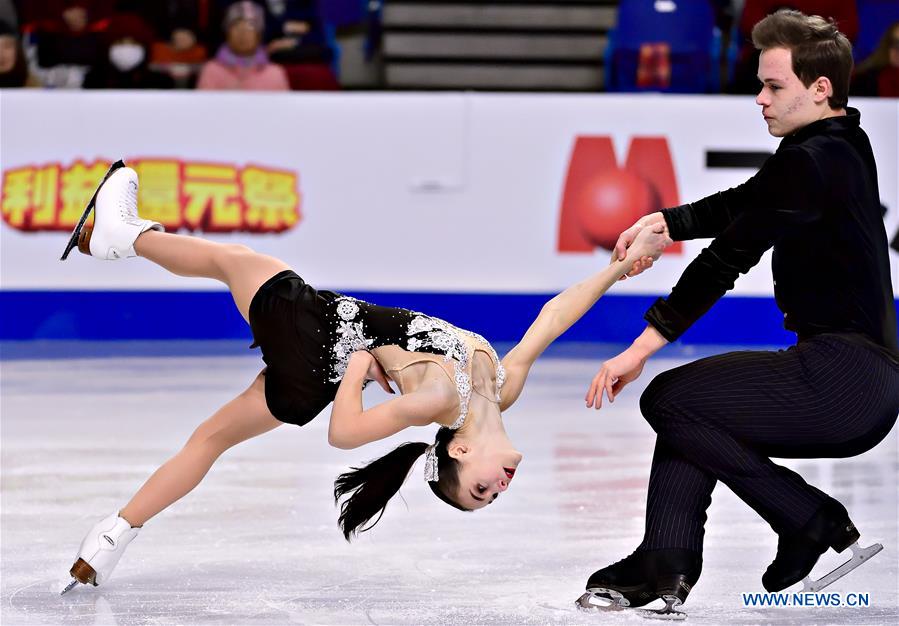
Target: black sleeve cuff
[
  {"x": 670, "y": 324},
  {"x": 679, "y": 220}
]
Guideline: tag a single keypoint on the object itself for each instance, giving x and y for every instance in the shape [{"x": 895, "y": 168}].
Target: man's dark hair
[{"x": 817, "y": 47}]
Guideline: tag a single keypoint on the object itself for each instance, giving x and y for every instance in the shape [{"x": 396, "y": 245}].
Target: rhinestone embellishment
[{"x": 350, "y": 337}]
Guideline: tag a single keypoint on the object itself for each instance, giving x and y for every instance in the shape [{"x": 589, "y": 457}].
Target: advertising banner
[{"x": 421, "y": 193}]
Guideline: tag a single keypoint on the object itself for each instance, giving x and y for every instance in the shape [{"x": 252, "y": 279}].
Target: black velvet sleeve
[
  {"x": 775, "y": 202},
  {"x": 709, "y": 217}
]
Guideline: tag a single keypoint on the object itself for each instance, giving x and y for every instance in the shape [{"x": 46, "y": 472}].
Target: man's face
[{"x": 787, "y": 104}]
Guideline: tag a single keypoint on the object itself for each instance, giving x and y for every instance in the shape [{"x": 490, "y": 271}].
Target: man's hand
[
  {"x": 627, "y": 238},
  {"x": 373, "y": 370},
  {"x": 614, "y": 375}
]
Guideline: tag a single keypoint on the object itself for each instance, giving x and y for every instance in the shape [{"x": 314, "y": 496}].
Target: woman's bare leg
[
  {"x": 238, "y": 266},
  {"x": 244, "y": 417}
]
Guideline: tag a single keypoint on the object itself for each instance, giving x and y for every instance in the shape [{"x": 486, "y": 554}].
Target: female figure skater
[{"x": 321, "y": 347}]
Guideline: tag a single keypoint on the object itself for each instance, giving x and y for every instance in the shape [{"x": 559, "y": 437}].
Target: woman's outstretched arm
[{"x": 560, "y": 313}]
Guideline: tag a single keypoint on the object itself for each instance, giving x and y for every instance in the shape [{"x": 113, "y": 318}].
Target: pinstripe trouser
[{"x": 720, "y": 418}]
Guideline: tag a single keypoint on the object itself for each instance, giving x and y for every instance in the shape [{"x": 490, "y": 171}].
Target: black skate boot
[
  {"x": 674, "y": 572},
  {"x": 624, "y": 583},
  {"x": 798, "y": 552},
  {"x": 642, "y": 577}
]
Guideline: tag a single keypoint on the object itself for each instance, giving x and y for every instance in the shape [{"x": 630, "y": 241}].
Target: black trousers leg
[{"x": 720, "y": 418}]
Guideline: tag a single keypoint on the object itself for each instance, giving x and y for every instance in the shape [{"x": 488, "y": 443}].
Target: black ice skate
[
  {"x": 797, "y": 553},
  {"x": 622, "y": 584},
  {"x": 73, "y": 240},
  {"x": 641, "y": 578}
]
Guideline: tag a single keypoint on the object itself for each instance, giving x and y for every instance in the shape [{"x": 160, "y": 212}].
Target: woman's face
[
  {"x": 243, "y": 39},
  {"x": 7, "y": 53},
  {"x": 483, "y": 473}
]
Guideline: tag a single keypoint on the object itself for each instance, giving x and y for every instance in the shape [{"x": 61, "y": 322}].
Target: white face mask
[{"x": 126, "y": 56}]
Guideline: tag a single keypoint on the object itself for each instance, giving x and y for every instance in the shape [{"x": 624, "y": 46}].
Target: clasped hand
[
  {"x": 364, "y": 361},
  {"x": 646, "y": 240}
]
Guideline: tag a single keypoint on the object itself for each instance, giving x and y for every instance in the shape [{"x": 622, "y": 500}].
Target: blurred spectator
[
  {"x": 241, "y": 62},
  {"x": 128, "y": 38},
  {"x": 878, "y": 75},
  {"x": 13, "y": 65},
  {"x": 182, "y": 29},
  {"x": 190, "y": 18},
  {"x": 181, "y": 49},
  {"x": 296, "y": 33},
  {"x": 843, "y": 12},
  {"x": 35, "y": 11},
  {"x": 68, "y": 43},
  {"x": 8, "y": 13}
]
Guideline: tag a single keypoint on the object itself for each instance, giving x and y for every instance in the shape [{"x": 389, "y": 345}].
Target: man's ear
[{"x": 822, "y": 89}]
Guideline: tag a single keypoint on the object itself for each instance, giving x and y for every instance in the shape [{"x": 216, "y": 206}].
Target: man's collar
[{"x": 827, "y": 126}]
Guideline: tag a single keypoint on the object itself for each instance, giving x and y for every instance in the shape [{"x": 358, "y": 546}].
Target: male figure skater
[{"x": 834, "y": 394}]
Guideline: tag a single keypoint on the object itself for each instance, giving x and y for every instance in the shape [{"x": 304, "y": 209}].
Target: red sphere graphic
[{"x": 611, "y": 202}]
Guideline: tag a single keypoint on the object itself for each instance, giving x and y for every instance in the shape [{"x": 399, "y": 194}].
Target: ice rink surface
[{"x": 257, "y": 542}]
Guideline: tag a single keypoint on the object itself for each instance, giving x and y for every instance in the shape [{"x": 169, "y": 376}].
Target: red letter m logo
[{"x": 602, "y": 199}]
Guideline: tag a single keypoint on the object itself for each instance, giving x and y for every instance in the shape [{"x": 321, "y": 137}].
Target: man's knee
[{"x": 656, "y": 399}]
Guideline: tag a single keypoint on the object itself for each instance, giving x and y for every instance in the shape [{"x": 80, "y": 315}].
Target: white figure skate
[
  {"x": 100, "y": 551},
  {"x": 116, "y": 222}
]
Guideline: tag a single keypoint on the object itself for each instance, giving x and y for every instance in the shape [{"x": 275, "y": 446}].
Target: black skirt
[{"x": 289, "y": 322}]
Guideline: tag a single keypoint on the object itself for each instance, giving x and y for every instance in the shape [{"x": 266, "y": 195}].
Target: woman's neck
[{"x": 484, "y": 422}]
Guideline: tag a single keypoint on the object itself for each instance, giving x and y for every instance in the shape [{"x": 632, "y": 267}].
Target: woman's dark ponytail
[{"x": 371, "y": 486}]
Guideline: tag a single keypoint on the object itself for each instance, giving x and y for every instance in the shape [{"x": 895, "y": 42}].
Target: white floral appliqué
[
  {"x": 448, "y": 340},
  {"x": 350, "y": 337}
]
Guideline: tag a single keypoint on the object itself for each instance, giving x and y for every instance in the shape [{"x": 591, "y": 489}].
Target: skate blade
[
  {"x": 602, "y": 604},
  {"x": 73, "y": 240},
  {"x": 859, "y": 556},
  {"x": 69, "y": 587},
  {"x": 669, "y": 611}
]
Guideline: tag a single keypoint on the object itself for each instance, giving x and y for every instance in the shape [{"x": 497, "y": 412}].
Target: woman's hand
[
  {"x": 362, "y": 360},
  {"x": 643, "y": 256},
  {"x": 614, "y": 375},
  {"x": 650, "y": 242}
]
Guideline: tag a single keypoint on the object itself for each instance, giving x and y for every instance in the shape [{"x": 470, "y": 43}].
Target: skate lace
[{"x": 128, "y": 207}]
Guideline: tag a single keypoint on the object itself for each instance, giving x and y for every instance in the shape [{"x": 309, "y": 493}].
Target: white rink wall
[{"x": 396, "y": 192}]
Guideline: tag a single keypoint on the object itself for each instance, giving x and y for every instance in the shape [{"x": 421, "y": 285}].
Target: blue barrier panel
[{"x": 211, "y": 315}]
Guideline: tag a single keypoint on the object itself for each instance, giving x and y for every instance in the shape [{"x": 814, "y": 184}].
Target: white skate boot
[
  {"x": 116, "y": 222},
  {"x": 101, "y": 550}
]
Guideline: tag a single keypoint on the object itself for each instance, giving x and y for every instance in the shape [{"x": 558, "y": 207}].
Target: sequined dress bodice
[{"x": 359, "y": 325}]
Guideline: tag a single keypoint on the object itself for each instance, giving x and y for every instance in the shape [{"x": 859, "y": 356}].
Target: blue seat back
[
  {"x": 687, "y": 26},
  {"x": 874, "y": 17}
]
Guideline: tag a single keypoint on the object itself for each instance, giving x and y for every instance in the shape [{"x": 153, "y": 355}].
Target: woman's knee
[{"x": 231, "y": 253}]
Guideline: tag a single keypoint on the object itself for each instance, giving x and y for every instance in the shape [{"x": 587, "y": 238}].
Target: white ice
[{"x": 257, "y": 542}]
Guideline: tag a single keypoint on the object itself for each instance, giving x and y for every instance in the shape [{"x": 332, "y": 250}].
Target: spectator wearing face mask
[
  {"x": 241, "y": 62},
  {"x": 13, "y": 65},
  {"x": 126, "y": 65}
]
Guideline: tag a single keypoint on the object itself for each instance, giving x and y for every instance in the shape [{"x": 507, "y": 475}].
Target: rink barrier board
[{"x": 211, "y": 315}]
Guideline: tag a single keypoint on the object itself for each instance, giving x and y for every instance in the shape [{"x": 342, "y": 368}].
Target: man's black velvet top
[{"x": 816, "y": 201}]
